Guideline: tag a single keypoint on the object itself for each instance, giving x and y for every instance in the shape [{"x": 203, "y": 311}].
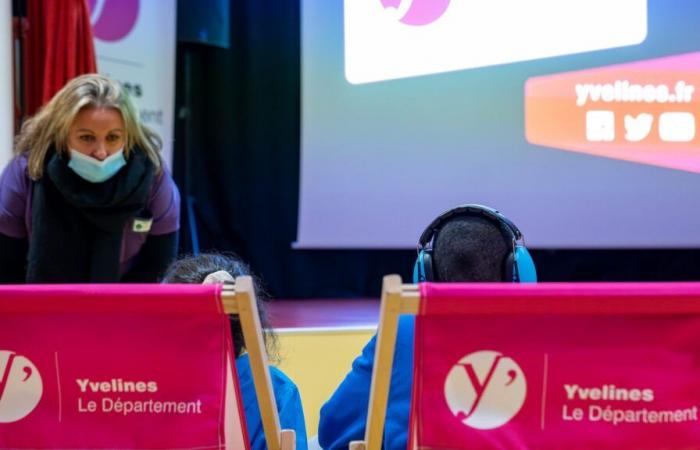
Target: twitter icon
[{"x": 637, "y": 128}]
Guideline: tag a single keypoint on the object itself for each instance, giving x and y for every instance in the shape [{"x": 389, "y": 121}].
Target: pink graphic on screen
[
  {"x": 656, "y": 127},
  {"x": 115, "y": 19},
  {"x": 421, "y": 12}
]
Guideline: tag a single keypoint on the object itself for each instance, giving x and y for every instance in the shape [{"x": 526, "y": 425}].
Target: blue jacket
[
  {"x": 344, "y": 416},
  {"x": 288, "y": 405}
]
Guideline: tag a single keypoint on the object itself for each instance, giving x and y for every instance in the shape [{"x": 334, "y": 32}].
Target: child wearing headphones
[
  {"x": 470, "y": 243},
  {"x": 215, "y": 268}
]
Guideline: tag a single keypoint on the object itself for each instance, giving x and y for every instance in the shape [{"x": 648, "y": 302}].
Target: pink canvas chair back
[{"x": 117, "y": 366}]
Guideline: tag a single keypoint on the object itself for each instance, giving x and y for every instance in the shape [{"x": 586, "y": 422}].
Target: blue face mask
[{"x": 94, "y": 170}]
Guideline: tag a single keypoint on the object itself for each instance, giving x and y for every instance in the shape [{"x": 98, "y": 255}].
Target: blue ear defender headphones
[{"x": 518, "y": 266}]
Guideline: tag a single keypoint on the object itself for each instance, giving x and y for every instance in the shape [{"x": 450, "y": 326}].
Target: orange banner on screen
[{"x": 645, "y": 112}]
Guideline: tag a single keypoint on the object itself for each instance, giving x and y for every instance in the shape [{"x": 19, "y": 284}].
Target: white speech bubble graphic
[{"x": 390, "y": 39}]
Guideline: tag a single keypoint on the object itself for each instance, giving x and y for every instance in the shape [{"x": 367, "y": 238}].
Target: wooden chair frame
[
  {"x": 241, "y": 299},
  {"x": 397, "y": 299}
]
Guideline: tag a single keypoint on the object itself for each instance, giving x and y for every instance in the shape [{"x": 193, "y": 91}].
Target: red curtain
[{"x": 59, "y": 48}]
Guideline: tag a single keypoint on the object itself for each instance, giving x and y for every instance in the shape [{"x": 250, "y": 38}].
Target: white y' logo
[
  {"x": 485, "y": 389},
  {"x": 20, "y": 386}
]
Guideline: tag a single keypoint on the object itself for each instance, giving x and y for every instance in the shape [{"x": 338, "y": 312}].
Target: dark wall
[{"x": 237, "y": 157}]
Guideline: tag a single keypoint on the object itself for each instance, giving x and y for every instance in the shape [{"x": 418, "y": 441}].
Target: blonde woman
[{"x": 86, "y": 197}]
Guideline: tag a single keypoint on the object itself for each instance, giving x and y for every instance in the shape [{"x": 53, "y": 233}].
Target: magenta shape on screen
[
  {"x": 116, "y": 18},
  {"x": 421, "y": 12}
]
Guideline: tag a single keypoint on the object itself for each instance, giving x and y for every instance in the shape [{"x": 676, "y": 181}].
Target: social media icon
[
  {"x": 600, "y": 126},
  {"x": 638, "y": 128},
  {"x": 20, "y": 386},
  {"x": 485, "y": 389},
  {"x": 677, "y": 127}
]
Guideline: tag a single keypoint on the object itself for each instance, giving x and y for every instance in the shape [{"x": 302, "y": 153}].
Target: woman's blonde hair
[{"x": 51, "y": 125}]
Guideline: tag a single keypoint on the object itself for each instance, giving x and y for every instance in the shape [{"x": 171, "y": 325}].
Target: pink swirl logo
[
  {"x": 113, "y": 20},
  {"x": 419, "y": 12}
]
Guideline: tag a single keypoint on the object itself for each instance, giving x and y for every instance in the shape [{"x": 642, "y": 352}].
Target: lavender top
[{"x": 16, "y": 209}]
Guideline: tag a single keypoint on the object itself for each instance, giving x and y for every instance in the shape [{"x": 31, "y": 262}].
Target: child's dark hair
[
  {"x": 468, "y": 249},
  {"x": 194, "y": 269}
]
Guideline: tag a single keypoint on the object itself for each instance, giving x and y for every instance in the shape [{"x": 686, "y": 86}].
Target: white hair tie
[{"x": 218, "y": 277}]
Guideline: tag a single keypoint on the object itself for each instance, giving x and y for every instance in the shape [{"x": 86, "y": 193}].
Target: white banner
[
  {"x": 6, "y": 94},
  {"x": 135, "y": 44}
]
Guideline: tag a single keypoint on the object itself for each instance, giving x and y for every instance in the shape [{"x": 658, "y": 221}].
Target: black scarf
[{"x": 77, "y": 226}]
